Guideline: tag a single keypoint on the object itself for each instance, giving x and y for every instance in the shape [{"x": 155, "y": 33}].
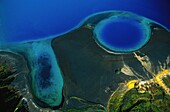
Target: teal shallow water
[{"x": 46, "y": 81}]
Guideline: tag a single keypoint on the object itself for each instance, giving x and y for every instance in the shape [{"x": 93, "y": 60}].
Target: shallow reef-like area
[
  {"x": 80, "y": 72},
  {"x": 43, "y": 82},
  {"x": 46, "y": 76}
]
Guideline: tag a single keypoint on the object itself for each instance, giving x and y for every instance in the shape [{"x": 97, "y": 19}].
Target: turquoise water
[
  {"x": 24, "y": 20},
  {"x": 45, "y": 76},
  {"x": 47, "y": 81},
  {"x": 123, "y": 32}
]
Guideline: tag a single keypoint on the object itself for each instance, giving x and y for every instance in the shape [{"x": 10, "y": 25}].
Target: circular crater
[{"x": 122, "y": 33}]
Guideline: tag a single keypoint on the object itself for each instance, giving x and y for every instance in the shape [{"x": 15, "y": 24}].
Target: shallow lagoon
[{"x": 43, "y": 79}]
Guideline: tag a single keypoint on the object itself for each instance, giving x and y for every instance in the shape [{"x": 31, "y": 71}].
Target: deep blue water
[
  {"x": 22, "y": 20},
  {"x": 122, "y": 34}
]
